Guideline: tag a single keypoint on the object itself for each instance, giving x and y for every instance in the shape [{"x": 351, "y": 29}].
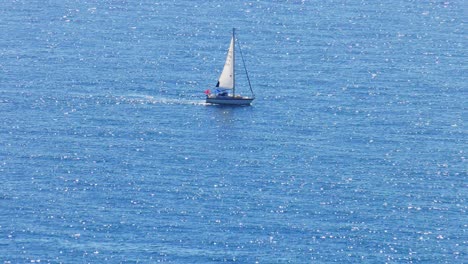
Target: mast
[{"x": 233, "y": 62}]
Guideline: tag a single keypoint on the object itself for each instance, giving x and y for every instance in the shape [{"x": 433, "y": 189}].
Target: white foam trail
[{"x": 146, "y": 99}]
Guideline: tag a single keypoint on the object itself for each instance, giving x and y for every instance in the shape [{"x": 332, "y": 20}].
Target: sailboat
[{"x": 225, "y": 93}]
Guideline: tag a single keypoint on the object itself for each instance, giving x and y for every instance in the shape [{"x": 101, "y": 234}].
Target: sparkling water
[{"x": 354, "y": 149}]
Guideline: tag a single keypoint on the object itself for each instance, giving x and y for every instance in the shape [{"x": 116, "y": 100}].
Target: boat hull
[{"x": 229, "y": 100}]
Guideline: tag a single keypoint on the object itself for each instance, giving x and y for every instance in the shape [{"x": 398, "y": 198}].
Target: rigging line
[{"x": 245, "y": 68}]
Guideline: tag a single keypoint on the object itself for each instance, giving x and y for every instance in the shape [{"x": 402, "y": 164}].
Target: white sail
[{"x": 226, "y": 79}]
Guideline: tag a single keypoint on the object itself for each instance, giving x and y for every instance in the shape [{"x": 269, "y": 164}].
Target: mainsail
[{"x": 226, "y": 80}]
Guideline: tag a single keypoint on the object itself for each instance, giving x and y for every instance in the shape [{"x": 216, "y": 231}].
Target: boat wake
[
  {"x": 139, "y": 99},
  {"x": 134, "y": 99}
]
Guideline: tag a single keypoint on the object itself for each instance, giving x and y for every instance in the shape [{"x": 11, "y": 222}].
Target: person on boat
[
  {"x": 220, "y": 92},
  {"x": 223, "y": 93}
]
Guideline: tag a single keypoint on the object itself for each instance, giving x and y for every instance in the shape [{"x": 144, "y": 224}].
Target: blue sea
[{"x": 354, "y": 150}]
